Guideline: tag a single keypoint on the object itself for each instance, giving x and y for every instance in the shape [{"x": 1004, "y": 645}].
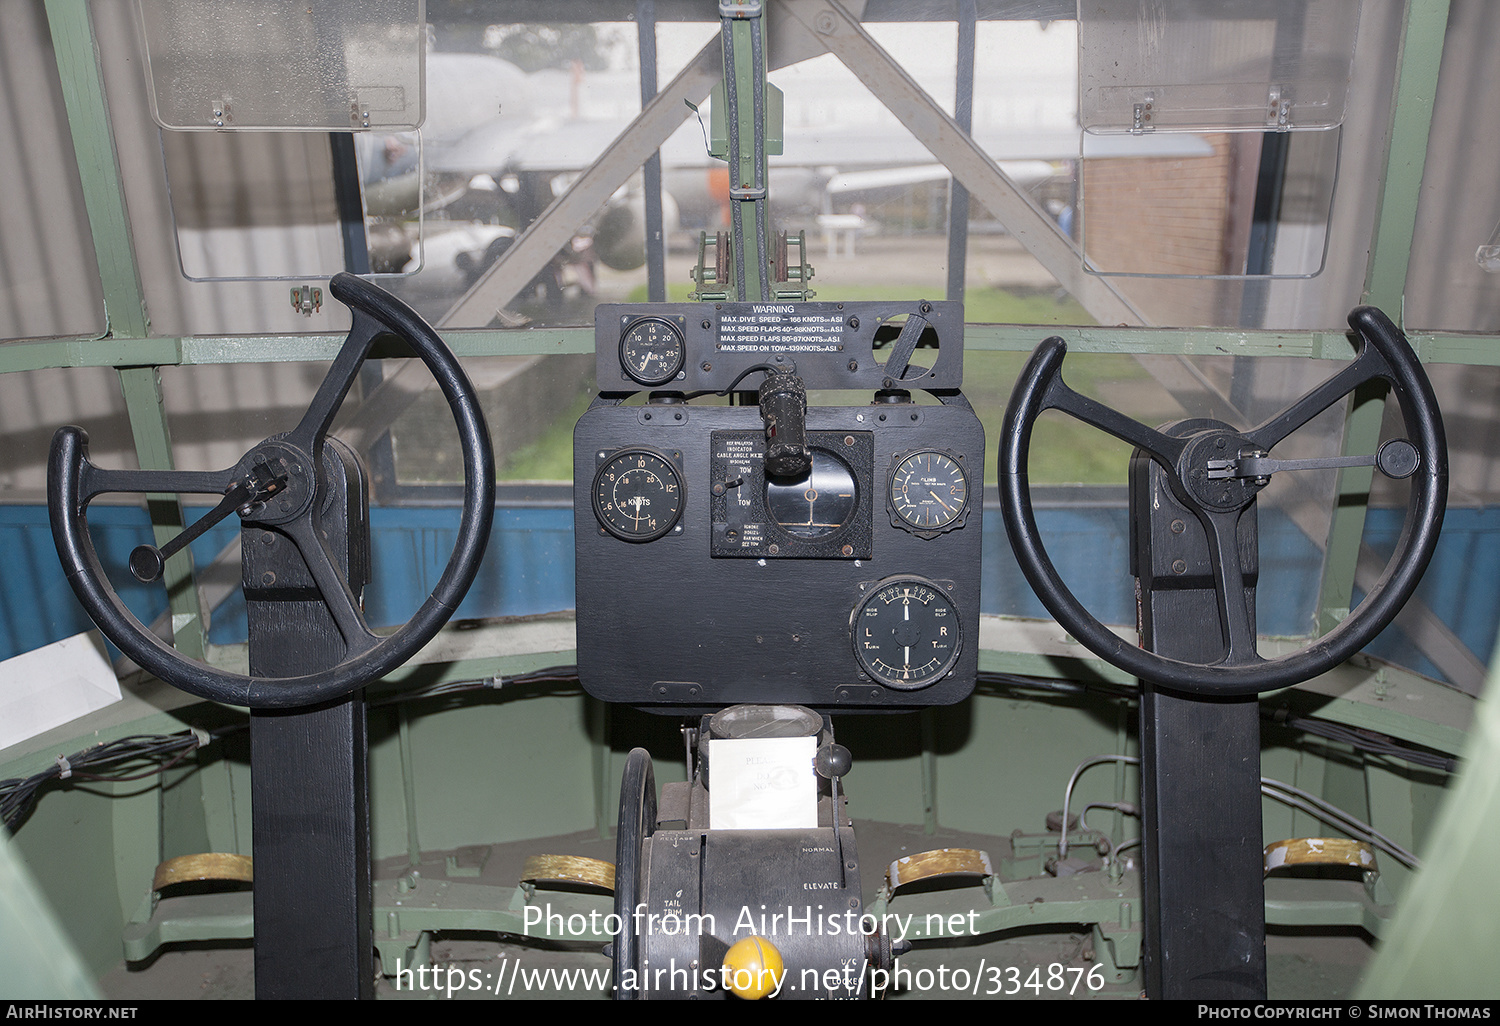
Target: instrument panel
[
  {"x": 835, "y": 345},
  {"x": 705, "y": 580}
]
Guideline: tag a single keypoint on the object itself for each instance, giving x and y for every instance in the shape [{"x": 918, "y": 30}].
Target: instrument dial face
[
  {"x": 816, "y": 504},
  {"x": 907, "y": 633},
  {"x": 652, "y": 350},
  {"x": 637, "y": 495},
  {"x": 929, "y": 492}
]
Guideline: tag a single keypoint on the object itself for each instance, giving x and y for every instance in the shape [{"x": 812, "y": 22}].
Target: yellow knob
[{"x": 753, "y": 968}]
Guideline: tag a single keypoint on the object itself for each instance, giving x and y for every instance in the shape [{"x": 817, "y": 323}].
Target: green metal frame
[
  {"x": 201, "y": 350},
  {"x": 1421, "y": 55},
  {"x": 128, "y": 345},
  {"x": 124, "y": 302},
  {"x": 1357, "y": 695},
  {"x": 131, "y": 348},
  {"x": 410, "y": 907}
]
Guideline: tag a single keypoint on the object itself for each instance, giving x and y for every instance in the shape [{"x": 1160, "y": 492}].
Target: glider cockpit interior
[{"x": 1072, "y": 588}]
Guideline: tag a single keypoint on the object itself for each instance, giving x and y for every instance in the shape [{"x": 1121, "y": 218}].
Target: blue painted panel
[
  {"x": 1459, "y": 586},
  {"x": 1090, "y": 545},
  {"x": 528, "y": 569},
  {"x": 37, "y": 606}
]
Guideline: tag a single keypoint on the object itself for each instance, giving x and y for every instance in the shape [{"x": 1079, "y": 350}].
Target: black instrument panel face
[
  {"x": 833, "y": 345},
  {"x": 821, "y": 591},
  {"x": 823, "y": 514}
]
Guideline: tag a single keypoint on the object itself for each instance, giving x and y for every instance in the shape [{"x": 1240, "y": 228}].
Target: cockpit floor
[{"x": 1301, "y": 965}]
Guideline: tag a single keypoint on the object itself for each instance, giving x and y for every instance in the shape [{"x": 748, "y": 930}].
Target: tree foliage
[{"x": 535, "y": 47}]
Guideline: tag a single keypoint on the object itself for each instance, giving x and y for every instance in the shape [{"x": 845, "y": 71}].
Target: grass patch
[
  {"x": 1063, "y": 450},
  {"x": 550, "y": 457}
]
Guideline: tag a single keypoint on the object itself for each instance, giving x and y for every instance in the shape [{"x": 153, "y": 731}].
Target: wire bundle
[
  {"x": 1365, "y": 741},
  {"x": 118, "y": 761}
]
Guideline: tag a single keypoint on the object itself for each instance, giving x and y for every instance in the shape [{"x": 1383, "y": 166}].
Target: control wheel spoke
[
  {"x": 333, "y": 586},
  {"x": 1041, "y": 387},
  {"x": 1235, "y": 614},
  {"x": 1367, "y": 366},
  {"x": 309, "y": 433},
  {"x": 1163, "y": 449},
  {"x": 97, "y": 481}
]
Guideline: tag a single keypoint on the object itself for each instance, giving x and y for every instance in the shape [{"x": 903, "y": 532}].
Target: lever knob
[
  {"x": 753, "y": 968},
  {"x": 832, "y": 761}
]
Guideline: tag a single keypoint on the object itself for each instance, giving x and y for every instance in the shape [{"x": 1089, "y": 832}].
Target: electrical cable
[
  {"x": 1335, "y": 816},
  {"x": 18, "y": 795},
  {"x": 1367, "y": 741},
  {"x": 563, "y": 675},
  {"x": 1364, "y": 740},
  {"x": 1274, "y": 789},
  {"x": 729, "y": 390}
]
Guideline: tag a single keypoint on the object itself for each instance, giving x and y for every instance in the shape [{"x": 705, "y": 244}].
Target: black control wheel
[
  {"x": 1218, "y": 497},
  {"x": 637, "y": 822},
  {"x": 275, "y": 484}
]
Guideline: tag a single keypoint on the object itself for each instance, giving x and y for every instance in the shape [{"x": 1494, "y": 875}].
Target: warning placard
[{"x": 780, "y": 328}]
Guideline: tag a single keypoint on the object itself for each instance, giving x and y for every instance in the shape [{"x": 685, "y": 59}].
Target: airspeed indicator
[{"x": 637, "y": 495}]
